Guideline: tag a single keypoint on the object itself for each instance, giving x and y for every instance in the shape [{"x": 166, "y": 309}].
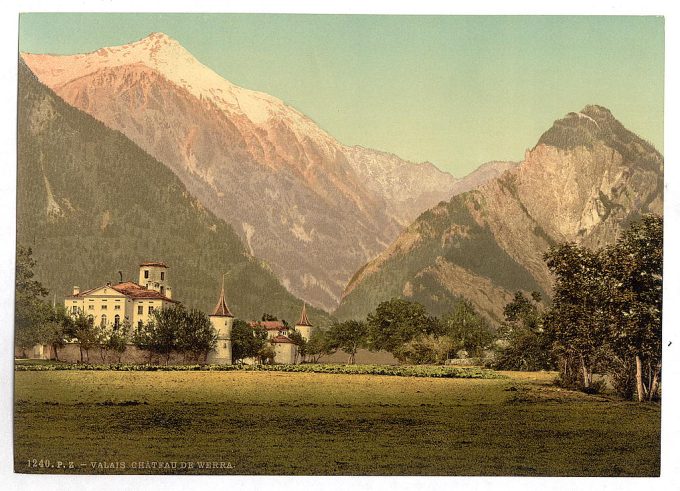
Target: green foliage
[
  {"x": 606, "y": 311},
  {"x": 175, "y": 329},
  {"x": 318, "y": 346},
  {"x": 117, "y": 340},
  {"x": 246, "y": 341},
  {"x": 427, "y": 349},
  {"x": 524, "y": 343},
  {"x": 390, "y": 370},
  {"x": 578, "y": 321},
  {"x": 196, "y": 336},
  {"x": 117, "y": 207},
  {"x": 86, "y": 333},
  {"x": 31, "y": 313},
  {"x": 634, "y": 268},
  {"x": 468, "y": 330},
  {"x": 396, "y": 322},
  {"x": 347, "y": 336}
]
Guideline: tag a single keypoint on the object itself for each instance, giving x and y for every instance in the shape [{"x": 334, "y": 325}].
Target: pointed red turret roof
[
  {"x": 221, "y": 309},
  {"x": 304, "y": 321}
]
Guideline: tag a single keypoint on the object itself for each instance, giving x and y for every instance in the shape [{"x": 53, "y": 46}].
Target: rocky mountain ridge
[{"x": 585, "y": 180}]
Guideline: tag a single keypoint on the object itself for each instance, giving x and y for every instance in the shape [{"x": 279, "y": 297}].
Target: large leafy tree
[
  {"x": 318, "y": 345},
  {"x": 524, "y": 343},
  {"x": 31, "y": 312},
  {"x": 195, "y": 334},
  {"x": 578, "y": 320},
  {"x": 635, "y": 269},
  {"x": 246, "y": 341},
  {"x": 468, "y": 330},
  {"x": 160, "y": 335},
  {"x": 396, "y": 322},
  {"x": 348, "y": 336}
]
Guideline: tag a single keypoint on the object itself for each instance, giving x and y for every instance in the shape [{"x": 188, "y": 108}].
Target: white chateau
[{"x": 112, "y": 305}]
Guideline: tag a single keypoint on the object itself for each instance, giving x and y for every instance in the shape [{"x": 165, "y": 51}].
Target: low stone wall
[{"x": 71, "y": 354}]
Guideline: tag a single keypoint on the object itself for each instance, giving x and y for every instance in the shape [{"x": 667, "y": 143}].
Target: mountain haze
[
  {"x": 314, "y": 209},
  {"x": 90, "y": 203},
  {"x": 585, "y": 180}
]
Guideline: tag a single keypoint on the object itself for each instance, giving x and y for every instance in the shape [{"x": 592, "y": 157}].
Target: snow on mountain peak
[{"x": 161, "y": 53}]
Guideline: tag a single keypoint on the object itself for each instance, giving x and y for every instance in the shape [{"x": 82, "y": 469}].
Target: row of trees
[
  {"x": 605, "y": 315},
  {"x": 408, "y": 332}
]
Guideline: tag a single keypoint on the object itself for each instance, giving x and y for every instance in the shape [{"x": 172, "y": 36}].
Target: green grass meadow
[{"x": 325, "y": 424}]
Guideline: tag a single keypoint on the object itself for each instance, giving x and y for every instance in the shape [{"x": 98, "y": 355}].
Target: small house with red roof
[{"x": 285, "y": 349}]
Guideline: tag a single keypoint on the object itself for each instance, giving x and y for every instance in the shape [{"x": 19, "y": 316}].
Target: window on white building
[
  {"x": 140, "y": 309},
  {"x": 116, "y": 322},
  {"x": 90, "y": 307},
  {"x": 150, "y": 310},
  {"x": 146, "y": 273},
  {"x": 103, "y": 321}
]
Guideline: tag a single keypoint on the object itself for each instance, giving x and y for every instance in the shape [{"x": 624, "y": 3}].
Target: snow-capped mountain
[{"x": 312, "y": 208}]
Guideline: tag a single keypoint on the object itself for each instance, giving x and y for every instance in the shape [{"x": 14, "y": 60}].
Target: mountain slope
[
  {"x": 293, "y": 193},
  {"x": 585, "y": 180},
  {"x": 90, "y": 202}
]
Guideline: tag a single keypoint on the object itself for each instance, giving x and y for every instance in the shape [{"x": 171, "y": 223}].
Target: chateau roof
[
  {"x": 304, "y": 321},
  {"x": 221, "y": 309},
  {"x": 282, "y": 340},
  {"x": 269, "y": 325},
  {"x": 130, "y": 290},
  {"x": 153, "y": 263}
]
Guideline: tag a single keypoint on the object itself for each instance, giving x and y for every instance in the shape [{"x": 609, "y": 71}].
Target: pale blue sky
[{"x": 455, "y": 90}]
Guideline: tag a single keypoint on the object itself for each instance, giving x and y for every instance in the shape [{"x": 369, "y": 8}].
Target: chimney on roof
[{"x": 76, "y": 290}]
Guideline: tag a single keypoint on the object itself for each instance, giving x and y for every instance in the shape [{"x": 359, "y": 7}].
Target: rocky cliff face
[
  {"x": 584, "y": 181},
  {"x": 314, "y": 209}
]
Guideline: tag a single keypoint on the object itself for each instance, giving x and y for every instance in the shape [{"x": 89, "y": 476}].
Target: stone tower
[
  {"x": 303, "y": 325},
  {"x": 154, "y": 276},
  {"x": 222, "y": 321}
]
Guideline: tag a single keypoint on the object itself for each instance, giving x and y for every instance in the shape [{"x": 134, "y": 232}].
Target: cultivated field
[{"x": 311, "y": 423}]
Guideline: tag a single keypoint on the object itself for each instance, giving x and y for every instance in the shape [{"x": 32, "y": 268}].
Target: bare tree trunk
[
  {"x": 584, "y": 369},
  {"x": 56, "y": 352},
  {"x": 638, "y": 379},
  {"x": 654, "y": 387},
  {"x": 80, "y": 346}
]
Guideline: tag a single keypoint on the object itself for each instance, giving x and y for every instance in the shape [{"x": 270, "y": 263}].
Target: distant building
[
  {"x": 222, "y": 321},
  {"x": 303, "y": 325},
  {"x": 285, "y": 349},
  {"x": 111, "y": 305}
]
